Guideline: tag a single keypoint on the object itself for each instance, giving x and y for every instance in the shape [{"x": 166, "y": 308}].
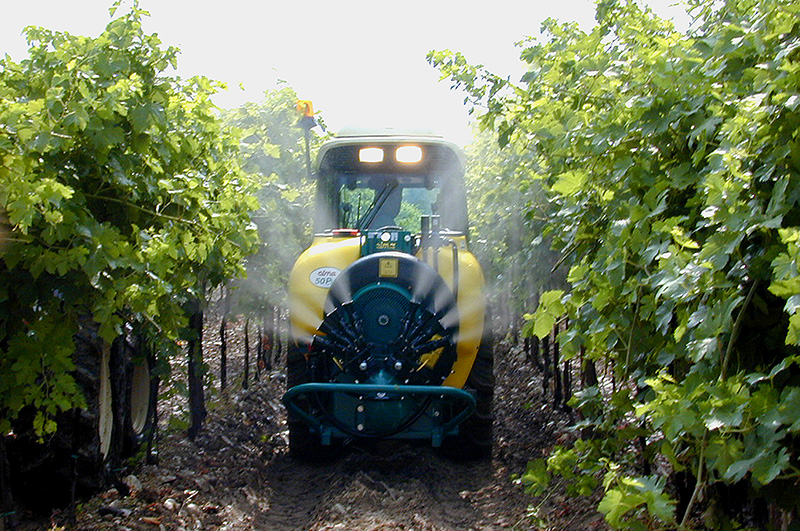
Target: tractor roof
[
  {"x": 355, "y": 131},
  {"x": 350, "y": 137}
]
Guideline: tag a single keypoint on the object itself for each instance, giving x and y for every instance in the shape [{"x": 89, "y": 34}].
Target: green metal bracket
[{"x": 463, "y": 401}]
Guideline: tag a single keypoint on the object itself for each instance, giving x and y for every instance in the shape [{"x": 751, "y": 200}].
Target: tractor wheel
[
  {"x": 474, "y": 440},
  {"x": 74, "y": 461},
  {"x": 92, "y": 433},
  {"x": 86, "y": 453},
  {"x": 142, "y": 397},
  {"x": 304, "y": 445},
  {"x": 135, "y": 392}
]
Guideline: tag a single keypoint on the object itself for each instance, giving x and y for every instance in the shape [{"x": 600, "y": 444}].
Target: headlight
[
  {"x": 408, "y": 154},
  {"x": 370, "y": 155}
]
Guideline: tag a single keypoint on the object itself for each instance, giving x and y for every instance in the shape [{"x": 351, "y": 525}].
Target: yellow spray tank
[{"x": 387, "y": 305}]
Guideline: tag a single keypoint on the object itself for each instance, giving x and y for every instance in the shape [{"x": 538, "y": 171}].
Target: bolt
[
  {"x": 360, "y": 409},
  {"x": 360, "y": 427},
  {"x": 398, "y": 365},
  {"x": 362, "y": 366}
]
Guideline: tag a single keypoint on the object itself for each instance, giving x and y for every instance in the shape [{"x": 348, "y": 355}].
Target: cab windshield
[
  {"x": 374, "y": 202},
  {"x": 353, "y": 194}
]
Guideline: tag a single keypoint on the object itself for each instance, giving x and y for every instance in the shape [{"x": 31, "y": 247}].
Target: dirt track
[{"x": 238, "y": 476}]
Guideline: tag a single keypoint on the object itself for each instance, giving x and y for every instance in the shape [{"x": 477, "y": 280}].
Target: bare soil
[{"x": 237, "y": 475}]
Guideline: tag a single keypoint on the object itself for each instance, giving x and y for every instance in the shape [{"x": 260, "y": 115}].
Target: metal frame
[{"x": 431, "y": 425}]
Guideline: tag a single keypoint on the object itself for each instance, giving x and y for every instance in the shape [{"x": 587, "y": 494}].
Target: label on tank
[{"x": 323, "y": 277}]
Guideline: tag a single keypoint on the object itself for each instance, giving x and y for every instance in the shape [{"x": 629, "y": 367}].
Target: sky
[{"x": 361, "y": 62}]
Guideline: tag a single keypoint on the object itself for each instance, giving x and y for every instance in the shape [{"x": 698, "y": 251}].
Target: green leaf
[
  {"x": 569, "y": 183},
  {"x": 547, "y": 314},
  {"x": 109, "y": 136},
  {"x": 785, "y": 288},
  {"x": 769, "y": 466},
  {"x": 736, "y": 471},
  {"x": 536, "y": 477},
  {"x": 617, "y": 503},
  {"x": 668, "y": 452}
]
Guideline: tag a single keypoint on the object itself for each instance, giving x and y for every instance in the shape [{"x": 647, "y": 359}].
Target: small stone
[
  {"x": 132, "y": 483},
  {"x": 110, "y": 494},
  {"x": 202, "y": 483},
  {"x": 114, "y": 511}
]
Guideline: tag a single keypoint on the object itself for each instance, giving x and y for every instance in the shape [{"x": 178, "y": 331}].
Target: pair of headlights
[{"x": 403, "y": 154}]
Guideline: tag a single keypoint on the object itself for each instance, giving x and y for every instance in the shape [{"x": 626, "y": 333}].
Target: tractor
[{"x": 390, "y": 338}]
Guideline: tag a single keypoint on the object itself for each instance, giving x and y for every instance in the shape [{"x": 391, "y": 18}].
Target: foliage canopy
[
  {"x": 673, "y": 161},
  {"x": 123, "y": 196}
]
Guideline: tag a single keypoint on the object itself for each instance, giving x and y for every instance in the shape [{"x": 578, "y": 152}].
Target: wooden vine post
[
  {"x": 246, "y": 380},
  {"x": 197, "y": 406}
]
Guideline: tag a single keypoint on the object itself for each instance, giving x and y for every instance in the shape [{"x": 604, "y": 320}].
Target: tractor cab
[{"x": 367, "y": 183}]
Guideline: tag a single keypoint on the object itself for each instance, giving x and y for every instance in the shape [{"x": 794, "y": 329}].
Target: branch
[
  {"x": 698, "y": 483},
  {"x": 567, "y": 253},
  {"x": 142, "y": 209},
  {"x": 629, "y": 346},
  {"x": 735, "y": 331}
]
